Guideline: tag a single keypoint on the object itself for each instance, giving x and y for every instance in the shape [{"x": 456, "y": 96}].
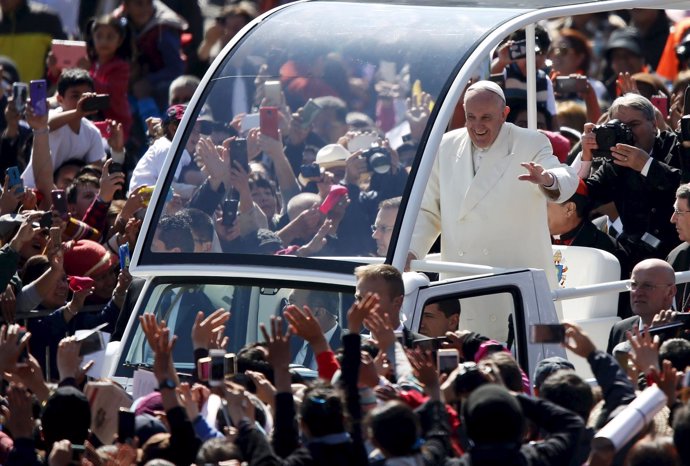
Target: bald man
[
  {"x": 488, "y": 189},
  {"x": 652, "y": 290}
]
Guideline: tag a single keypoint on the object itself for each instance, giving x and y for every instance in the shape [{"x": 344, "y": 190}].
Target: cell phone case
[
  {"x": 38, "y": 93},
  {"x": 336, "y": 193},
  {"x": 15, "y": 179},
  {"x": 268, "y": 121}
]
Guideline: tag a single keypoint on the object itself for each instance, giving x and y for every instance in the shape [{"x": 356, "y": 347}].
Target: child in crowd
[{"x": 110, "y": 48}]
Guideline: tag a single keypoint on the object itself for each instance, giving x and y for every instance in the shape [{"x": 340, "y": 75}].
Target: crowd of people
[{"x": 307, "y": 153}]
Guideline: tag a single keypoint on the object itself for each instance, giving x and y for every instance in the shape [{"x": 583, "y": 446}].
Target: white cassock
[{"x": 491, "y": 217}]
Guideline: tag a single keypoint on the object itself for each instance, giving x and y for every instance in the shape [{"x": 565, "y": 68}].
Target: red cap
[{"x": 86, "y": 258}]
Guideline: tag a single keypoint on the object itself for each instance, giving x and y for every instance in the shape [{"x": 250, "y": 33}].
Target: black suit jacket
[
  {"x": 618, "y": 330},
  {"x": 296, "y": 345},
  {"x": 645, "y": 203},
  {"x": 679, "y": 259}
]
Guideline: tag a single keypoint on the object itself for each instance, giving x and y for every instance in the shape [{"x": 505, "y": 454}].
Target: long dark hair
[{"x": 126, "y": 50}]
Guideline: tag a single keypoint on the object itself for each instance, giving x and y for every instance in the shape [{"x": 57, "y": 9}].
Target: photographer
[{"x": 639, "y": 172}]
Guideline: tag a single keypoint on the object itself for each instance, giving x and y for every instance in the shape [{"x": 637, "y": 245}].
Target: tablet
[{"x": 68, "y": 52}]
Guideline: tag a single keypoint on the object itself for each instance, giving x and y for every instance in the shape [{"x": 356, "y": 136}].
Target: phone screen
[
  {"x": 547, "y": 333},
  {"x": 125, "y": 425},
  {"x": 59, "y": 201}
]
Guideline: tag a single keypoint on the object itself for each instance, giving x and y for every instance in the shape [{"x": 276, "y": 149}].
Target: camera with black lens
[
  {"x": 609, "y": 134},
  {"x": 378, "y": 159}
]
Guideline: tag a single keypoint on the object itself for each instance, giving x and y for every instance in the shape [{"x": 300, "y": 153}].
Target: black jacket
[
  {"x": 617, "y": 334},
  {"x": 645, "y": 203},
  {"x": 564, "y": 429},
  {"x": 679, "y": 259}
]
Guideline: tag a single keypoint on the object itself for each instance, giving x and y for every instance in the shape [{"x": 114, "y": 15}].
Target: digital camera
[
  {"x": 609, "y": 134},
  {"x": 378, "y": 160}
]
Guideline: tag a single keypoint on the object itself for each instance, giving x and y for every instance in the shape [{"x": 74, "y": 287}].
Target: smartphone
[
  {"x": 103, "y": 128},
  {"x": 447, "y": 360},
  {"x": 24, "y": 355},
  {"x": 55, "y": 234},
  {"x": 518, "y": 49},
  {"x": 92, "y": 344},
  {"x": 96, "y": 103},
  {"x": 547, "y": 333},
  {"x": 77, "y": 453},
  {"x": 124, "y": 255},
  {"x": 38, "y": 94},
  {"x": 217, "y": 372},
  {"x": 238, "y": 152},
  {"x": 311, "y": 172},
  {"x": 229, "y": 207},
  {"x": 660, "y": 101},
  {"x": 125, "y": 425},
  {"x": 570, "y": 84},
  {"x": 230, "y": 367},
  {"x": 46, "y": 220},
  {"x": 337, "y": 192},
  {"x": 268, "y": 121},
  {"x": 203, "y": 369},
  {"x": 15, "y": 179},
  {"x": 309, "y": 113},
  {"x": 249, "y": 121},
  {"x": 20, "y": 92},
  {"x": 272, "y": 92},
  {"x": 60, "y": 202}
]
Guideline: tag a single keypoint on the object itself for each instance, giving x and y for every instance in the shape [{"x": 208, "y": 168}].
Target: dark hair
[
  {"x": 202, "y": 225},
  {"x": 259, "y": 180},
  {"x": 252, "y": 357},
  {"x": 395, "y": 428},
  {"x": 34, "y": 267},
  {"x": 580, "y": 44},
  {"x": 125, "y": 51},
  {"x": 541, "y": 37},
  {"x": 676, "y": 350},
  {"x": 449, "y": 307},
  {"x": 653, "y": 451},
  {"x": 176, "y": 232},
  {"x": 72, "y": 190},
  {"x": 567, "y": 389},
  {"x": 68, "y": 163},
  {"x": 71, "y": 77},
  {"x": 216, "y": 450},
  {"x": 322, "y": 411},
  {"x": 681, "y": 432},
  {"x": 508, "y": 368}
]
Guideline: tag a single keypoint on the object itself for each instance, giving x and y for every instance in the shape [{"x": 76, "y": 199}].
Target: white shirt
[
  {"x": 65, "y": 144},
  {"x": 302, "y": 354},
  {"x": 150, "y": 166}
]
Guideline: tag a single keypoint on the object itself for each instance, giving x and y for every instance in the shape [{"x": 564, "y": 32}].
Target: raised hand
[
  {"x": 424, "y": 369},
  {"x": 536, "y": 174},
  {"x": 381, "y": 330},
  {"x": 205, "y": 330},
  {"x": 278, "y": 343},
  {"x": 303, "y": 324},
  {"x": 645, "y": 350},
  {"x": 360, "y": 310},
  {"x": 11, "y": 346},
  {"x": 577, "y": 341}
]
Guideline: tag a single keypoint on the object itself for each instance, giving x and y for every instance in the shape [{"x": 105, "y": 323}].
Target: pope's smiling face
[{"x": 485, "y": 113}]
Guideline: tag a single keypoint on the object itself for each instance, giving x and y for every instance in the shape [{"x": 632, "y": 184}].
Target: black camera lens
[{"x": 378, "y": 160}]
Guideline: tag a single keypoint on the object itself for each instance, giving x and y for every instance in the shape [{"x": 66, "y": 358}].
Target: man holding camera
[
  {"x": 477, "y": 196},
  {"x": 640, "y": 172}
]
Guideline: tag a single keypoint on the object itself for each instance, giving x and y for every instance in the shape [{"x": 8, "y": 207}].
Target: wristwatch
[{"x": 167, "y": 383}]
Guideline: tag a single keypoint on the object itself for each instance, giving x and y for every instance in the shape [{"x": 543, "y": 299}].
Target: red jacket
[{"x": 113, "y": 78}]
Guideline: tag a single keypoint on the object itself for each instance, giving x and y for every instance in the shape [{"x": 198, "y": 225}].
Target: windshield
[
  {"x": 178, "y": 302},
  {"x": 260, "y": 173}
]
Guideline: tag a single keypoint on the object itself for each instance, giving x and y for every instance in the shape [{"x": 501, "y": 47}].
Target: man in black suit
[
  {"x": 679, "y": 258},
  {"x": 639, "y": 178},
  {"x": 652, "y": 290},
  {"x": 324, "y": 309}
]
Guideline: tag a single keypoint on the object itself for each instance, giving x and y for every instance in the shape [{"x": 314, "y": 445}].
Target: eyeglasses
[
  {"x": 680, "y": 212},
  {"x": 382, "y": 228},
  {"x": 634, "y": 286}
]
